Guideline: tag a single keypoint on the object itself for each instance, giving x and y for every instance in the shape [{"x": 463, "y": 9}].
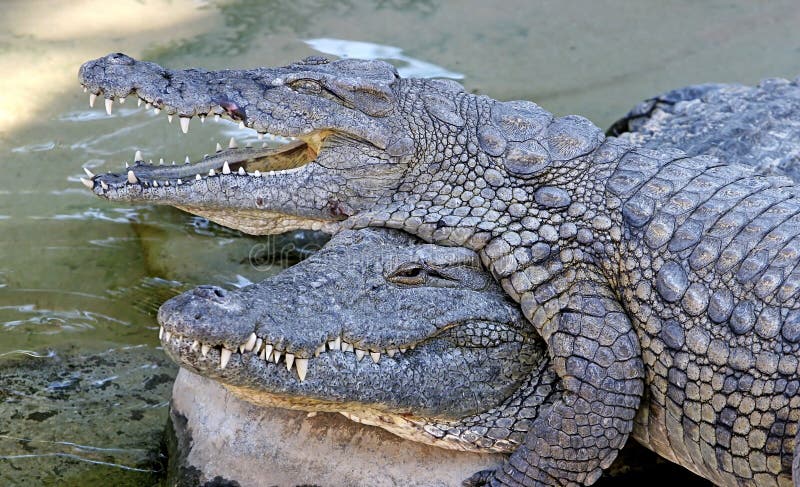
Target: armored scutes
[{"x": 636, "y": 266}]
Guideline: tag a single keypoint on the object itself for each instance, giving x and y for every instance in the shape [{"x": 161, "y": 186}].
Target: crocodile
[{"x": 634, "y": 265}]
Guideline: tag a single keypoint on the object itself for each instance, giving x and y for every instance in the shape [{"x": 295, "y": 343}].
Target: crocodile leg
[{"x": 596, "y": 353}]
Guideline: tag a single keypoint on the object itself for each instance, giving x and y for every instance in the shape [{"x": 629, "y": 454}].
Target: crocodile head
[
  {"x": 412, "y": 337},
  {"x": 350, "y": 126}
]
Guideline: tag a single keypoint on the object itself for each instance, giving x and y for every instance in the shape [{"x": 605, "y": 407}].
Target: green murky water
[{"x": 83, "y": 388}]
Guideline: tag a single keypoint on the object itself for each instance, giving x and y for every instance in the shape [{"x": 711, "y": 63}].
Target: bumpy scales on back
[{"x": 605, "y": 246}]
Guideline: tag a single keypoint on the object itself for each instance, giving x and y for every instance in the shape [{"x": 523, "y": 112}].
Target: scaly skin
[
  {"x": 605, "y": 246},
  {"x": 469, "y": 377}
]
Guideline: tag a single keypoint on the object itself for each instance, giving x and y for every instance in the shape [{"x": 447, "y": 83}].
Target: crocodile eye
[
  {"x": 306, "y": 86},
  {"x": 408, "y": 274}
]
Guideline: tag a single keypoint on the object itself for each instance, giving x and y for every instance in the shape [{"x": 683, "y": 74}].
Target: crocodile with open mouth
[{"x": 641, "y": 269}]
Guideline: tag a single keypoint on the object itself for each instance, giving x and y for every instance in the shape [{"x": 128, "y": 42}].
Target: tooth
[
  {"x": 391, "y": 352},
  {"x": 257, "y": 173},
  {"x": 403, "y": 350},
  {"x": 268, "y": 352},
  {"x": 122, "y": 100},
  {"x": 88, "y": 172},
  {"x": 167, "y": 335},
  {"x": 127, "y": 165},
  {"x": 92, "y": 98},
  {"x": 289, "y": 361},
  {"x": 138, "y": 156},
  {"x": 336, "y": 344},
  {"x": 376, "y": 356},
  {"x": 248, "y": 145},
  {"x": 241, "y": 171},
  {"x": 132, "y": 178},
  {"x": 103, "y": 185},
  {"x": 85, "y": 89},
  {"x": 302, "y": 368},
  {"x": 250, "y": 343},
  {"x": 219, "y": 147},
  {"x": 241, "y": 124},
  {"x": 226, "y": 169},
  {"x": 87, "y": 183},
  {"x": 232, "y": 144},
  {"x": 165, "y": 183},
  {"x": 151, "y": 162},
  {"x": 147, "y": 106},
  {"x": 160, "y": 332},
  {"x": 202, "y": 119},
  {"x": 138, "y": 102},
  {"x": 198, "y": 178},
  {"x": 109, "y": 105},
  {"x": 224, "y": 356},
  {"x": 156, "y": 110},
  {"x": 161, "y": 161},
  {"x": 187, "y": 160},
  {"x": 276, "y": 356},
  {"x": 347, "y": 347},
  {"x": 216, "y": 117},
  {"x": 360, "y": 354},
  {"x": 169, "y": 118},
  {"x": 211, "y": 172},
  {"x": 195, "y": 346},
  {"x": 257, "y": 348},
  {"x": 155, "y": 184},
  {"x": 204, "y": 349},
  {"x": 185, "y": 124},
  {"x": 173, "y": 163},
  {"x": 319, "y": 350},
  {"x": 260, "y": 136}
]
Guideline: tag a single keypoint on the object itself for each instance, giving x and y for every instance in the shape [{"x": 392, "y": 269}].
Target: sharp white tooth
[
  {"x": 147, "y": 106},
  {"x": 127, "y": 165},
  {"x": 198, "y": 178},
  {"x": 161, "y": 161},
  {"x": 205, "y": 156},
  {"x": 87, "y": 183},
  {"x": 403, "y": 350},
  {"x": 88, "y": 172},
  {"x": 347, "y": 347},
  {"x": 151, "y": 162},
  {"x": 132, "y": 178},
  {"x": 187, "y": 160},
  {"x": 109, "y": 105},
  {"x": 268, "y": 352},
  {"x": 226, "y": 169},
  {"x": 412, "y": 346},
  {"x": 241, "y": 348},
  {"x": 103, "y": 185},
  {"x": 276, "y": 356},
  {"x": 179, "y": 182},
  {"x": 204, "y": 349},
  {"x": 85, "y": 89},
  {"x": 216, "y": 117},
  {"x": 257, "y": 173},
  {"x": 138, "y": 102},
  {"x": 155, "y": 184},
  {"x": 173, "y": 163},
  {"x": 156, "y": 110},
  {"x": 319, "y": 350},
  {"x": 185, "y": 124},
  {"x": 241, "y": 171},
  {"x": 211, "y": 172},
  {"x": 259, "y": 343},
  {"x": 232, "y": 144},
  {"x": 376, "y": 356},
  {"x": 138, "y": 156},
  {"x": 360, "y": 354},
  {"x": 391, "y": 352},
  {"x": 122, "y": 100},
  {"x": 92, "y": 98},
  {"x": 224, "y": 356},
  {"x": 160, "y": 332},
  {"x": 289, "y": 361},
  {"x": 167, "y": 335},
  {"x": 219, "y": 147},
  {"x": 165, "y": 183},
  {"x": 335, "y": 344},
  {"x": 302, "y": 368},
  {"x": 241, "y": 124},
  {"x": 250, "y": 343},
  {"x": 195, "y": 346},
  {"x": 202, "y": 119},
  {"x": 169, "y": 118}
]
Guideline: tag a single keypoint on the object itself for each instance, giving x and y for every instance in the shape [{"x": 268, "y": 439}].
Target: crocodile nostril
[
  {"x": 219, "y": 293},
  {"x": 213, "y": 293}
]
